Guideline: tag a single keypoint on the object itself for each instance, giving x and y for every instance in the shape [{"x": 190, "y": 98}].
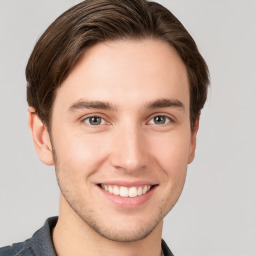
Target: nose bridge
[{"x": 129, "y": 149}]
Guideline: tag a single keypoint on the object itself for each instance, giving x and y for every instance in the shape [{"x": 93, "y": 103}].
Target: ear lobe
[
  {"x": 40, "y": 137},
  {"x": 193, "y": 141}
]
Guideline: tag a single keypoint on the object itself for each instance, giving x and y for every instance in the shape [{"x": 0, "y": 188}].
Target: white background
[{"x": 216, "y": 214}]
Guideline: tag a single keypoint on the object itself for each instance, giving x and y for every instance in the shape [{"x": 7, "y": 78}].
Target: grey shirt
[{"x": 40, "y": 244}]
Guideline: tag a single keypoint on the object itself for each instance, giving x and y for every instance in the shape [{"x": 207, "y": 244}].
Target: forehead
[{"x": 126, "y": 72}]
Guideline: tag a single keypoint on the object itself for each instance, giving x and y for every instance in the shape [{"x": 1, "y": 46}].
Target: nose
[{"x": 129, "y": 149}]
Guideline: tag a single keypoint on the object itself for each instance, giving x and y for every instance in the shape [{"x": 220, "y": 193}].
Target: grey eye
[
  {"x": 158, "y": 120},
  {"x": 94, "y": 120}
]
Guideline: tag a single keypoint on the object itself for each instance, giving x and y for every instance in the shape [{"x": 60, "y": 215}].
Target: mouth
[{"x": 123, "y": 191}]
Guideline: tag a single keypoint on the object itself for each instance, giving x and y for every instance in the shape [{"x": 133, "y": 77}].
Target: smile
[{"x": 126, "y": 191}]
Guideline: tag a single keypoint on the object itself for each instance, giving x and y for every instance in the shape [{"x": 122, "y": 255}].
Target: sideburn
[{"x": 53, "y": 149}]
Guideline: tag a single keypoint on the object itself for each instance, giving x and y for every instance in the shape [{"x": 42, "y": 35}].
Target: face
[{"x": 121, "y": 135}]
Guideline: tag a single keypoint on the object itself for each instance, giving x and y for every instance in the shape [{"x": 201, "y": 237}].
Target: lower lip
[{"x": 128, "y": 202}]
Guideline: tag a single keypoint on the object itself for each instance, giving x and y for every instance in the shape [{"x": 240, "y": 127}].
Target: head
[{"x": 130, "y": 69}]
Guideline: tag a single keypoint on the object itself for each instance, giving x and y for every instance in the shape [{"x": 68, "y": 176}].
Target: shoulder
[
  {"x": 40, "y": 244},
  {"x": 18, "y": 249}
]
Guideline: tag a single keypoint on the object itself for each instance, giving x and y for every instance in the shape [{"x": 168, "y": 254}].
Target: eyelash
[{"x": 170, "y": 120}]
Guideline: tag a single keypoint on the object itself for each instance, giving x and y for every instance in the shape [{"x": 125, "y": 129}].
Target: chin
[{"x": 120, "y": 233}]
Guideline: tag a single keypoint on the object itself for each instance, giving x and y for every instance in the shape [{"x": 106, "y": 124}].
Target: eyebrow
[
  {"x": 160, "y": 103},
  {"x": 165, "y": 103},
  {"x": 85, "y": 104}
]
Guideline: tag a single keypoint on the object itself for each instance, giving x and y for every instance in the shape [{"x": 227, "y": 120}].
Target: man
[{"x": 115, "y": 90}]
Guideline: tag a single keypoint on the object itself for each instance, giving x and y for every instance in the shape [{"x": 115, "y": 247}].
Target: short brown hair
[{"x": 93, "y": 21}]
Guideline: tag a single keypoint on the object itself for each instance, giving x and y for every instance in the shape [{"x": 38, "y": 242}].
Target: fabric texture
[{"x": 40, "y": 244}]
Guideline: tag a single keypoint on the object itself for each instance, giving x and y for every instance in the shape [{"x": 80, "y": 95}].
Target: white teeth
[
  {"x": 132, "y": 192},
  {"x": 144, "y": 190},
  {"x": 126, "y": 192},
  {"x": 116, "y": 191},
  {"x": 139, "y": 191}
]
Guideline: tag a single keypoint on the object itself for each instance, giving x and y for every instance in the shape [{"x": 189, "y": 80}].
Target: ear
[
  {"x": 40, "y": 137},
  {"x": 193, "y": 141}
]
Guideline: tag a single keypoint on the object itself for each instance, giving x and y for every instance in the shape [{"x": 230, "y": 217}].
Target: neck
[{"x": 72, "y": 236}]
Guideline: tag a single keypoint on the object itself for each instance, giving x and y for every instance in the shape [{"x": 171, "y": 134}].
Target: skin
[{"x": 137, "y": 81}]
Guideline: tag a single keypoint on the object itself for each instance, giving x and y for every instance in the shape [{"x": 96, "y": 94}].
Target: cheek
[
  {"x": 78, "y": 153},
  {"x": 78, "y": 158},
  {"x": 171, "y": 152}
]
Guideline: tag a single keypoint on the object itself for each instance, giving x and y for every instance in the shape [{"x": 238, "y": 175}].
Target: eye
[
  {"x": 158, "y": 120},
  {"x": 94, "y": 120}
]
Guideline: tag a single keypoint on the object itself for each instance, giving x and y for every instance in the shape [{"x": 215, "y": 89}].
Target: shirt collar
[{"x": 43, "y": 245}]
